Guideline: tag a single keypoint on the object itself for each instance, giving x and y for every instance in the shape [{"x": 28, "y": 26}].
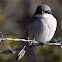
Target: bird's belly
[{"x": 41, "y": 32}]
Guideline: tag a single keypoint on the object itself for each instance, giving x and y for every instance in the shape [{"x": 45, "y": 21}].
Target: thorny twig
[{"x": 57, "y": 41}]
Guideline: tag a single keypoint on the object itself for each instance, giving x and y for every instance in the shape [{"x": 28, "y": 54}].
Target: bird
[{"x": 42, "y": 27}]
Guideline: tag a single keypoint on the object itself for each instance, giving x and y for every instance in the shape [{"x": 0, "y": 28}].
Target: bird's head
[{"x": 42, "y": 9}]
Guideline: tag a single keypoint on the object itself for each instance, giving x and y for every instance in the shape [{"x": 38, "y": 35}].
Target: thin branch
[
  {"x": 53, "y": 42},
  {"x": 57, "y": 41}
]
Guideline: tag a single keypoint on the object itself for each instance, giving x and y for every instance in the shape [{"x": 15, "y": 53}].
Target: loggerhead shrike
[{"x": 42, "y": 27}]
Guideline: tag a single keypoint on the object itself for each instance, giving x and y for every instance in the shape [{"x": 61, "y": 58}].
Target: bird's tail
[{"x": 22, "y": 52}]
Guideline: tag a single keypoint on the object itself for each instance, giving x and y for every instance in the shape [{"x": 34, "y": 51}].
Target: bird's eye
[
  {"x": 49, "y": 12},
  {"x": 46, "y": 11}
]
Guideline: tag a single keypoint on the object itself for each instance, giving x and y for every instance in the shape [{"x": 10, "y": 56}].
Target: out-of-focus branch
[{"x": 11, "y": 50}]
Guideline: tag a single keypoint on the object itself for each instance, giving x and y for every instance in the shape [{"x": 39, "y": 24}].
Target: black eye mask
[{"x": 49, "y": 12}]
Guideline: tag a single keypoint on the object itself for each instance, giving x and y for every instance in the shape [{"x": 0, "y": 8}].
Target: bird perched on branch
[{"x": 42, "y": 26}]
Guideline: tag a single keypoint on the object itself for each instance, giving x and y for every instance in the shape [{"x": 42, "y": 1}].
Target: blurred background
[{"x": 14, "y": 21}]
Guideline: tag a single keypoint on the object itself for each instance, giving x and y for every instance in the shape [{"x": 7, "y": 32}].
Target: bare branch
[{"x": 57, "y": 41}]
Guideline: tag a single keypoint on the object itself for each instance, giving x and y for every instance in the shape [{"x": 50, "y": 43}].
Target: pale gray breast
[{"x": 41, "y": 29}]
